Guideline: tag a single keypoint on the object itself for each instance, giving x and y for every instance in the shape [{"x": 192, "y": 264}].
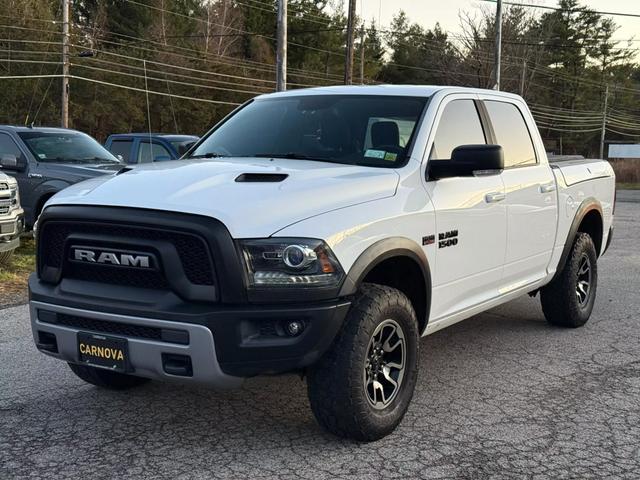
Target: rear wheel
[
  {"x": 361, "y": 388},
  {"x": 568, "y": 300},
  {"x": 105, "y": 378}
]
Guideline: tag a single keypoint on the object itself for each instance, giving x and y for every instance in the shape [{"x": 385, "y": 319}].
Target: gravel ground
[{"x": 501, "y": 395}]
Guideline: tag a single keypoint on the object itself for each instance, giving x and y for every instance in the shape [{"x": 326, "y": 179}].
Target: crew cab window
[
  {"x": 122, "y": 148},
  {"x": 459, "y": 125},
  {"x": 8, "y": 146},
  {"x": 512, "y": 133},
  {"x": 154, "y": 153}
]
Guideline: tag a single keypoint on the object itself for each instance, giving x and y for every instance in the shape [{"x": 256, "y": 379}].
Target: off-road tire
[
  {"x": 106, "y": 379},
  {"x": 4, "y": 257},
  {"x": 336, "y": 385},
  {"x": 560, "y": 300}
]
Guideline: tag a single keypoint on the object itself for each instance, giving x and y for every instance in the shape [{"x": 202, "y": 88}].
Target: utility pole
[
  {"x": 496, "y": 67},
  {"x": 65, "y": 64},
  {"x": 604, "y": 120},
  {"x": 522, "y": 78},
  {"x": 348, "y": 64},
  {"x": 362, "y": 55},
  {"x": 281, "y": 56}
]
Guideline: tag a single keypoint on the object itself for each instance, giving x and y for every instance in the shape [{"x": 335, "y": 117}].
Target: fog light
[{"x": 294, "y": 328}]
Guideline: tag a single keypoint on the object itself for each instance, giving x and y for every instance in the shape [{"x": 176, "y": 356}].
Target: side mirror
[
  {"x": 161, "y": 158},
  {"x": 9, "y": 161},
  {"x": 468, "y": 161}
]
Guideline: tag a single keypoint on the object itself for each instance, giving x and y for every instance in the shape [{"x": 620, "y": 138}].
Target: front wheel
[
  {"x": 361, "y": 388},
  {"x": 568, "y": 300}
]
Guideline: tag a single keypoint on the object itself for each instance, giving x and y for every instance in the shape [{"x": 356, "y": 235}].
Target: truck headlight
[
  {"x": 296, "y": 262},
  {"x": 15, "y": 197}
]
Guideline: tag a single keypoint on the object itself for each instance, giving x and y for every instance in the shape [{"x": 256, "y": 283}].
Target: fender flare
[
  {"x": 589, "y": 204},
  {"x": 49, "y": 188},
  {"x": 44, "y": 190},
  {"x": 383, "y": 250}
]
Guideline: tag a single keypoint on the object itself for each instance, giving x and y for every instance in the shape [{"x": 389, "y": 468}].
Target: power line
[
  {"x": 153, "y": 92},
  {"x": 571, "y": 10}
]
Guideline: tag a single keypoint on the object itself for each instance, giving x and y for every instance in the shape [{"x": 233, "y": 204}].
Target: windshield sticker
[
  {"x": 375, "y": 153},
  {"x": 42, "y": 155},
  {"x": 390, "y": 156}
]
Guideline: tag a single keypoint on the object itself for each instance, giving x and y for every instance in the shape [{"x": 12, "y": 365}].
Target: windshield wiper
[
  {"x": 208, "y": 155},
  {"x": 291, "y": 155},
  {"x": 99, "y": 160}
]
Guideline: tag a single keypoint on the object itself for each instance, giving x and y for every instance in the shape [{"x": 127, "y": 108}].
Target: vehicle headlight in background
[
  {"x": 15, "y": 198},
  {"x": 296, "y": 262}
]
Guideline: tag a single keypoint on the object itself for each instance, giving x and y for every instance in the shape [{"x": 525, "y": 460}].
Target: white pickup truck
[
  {"x": 11, "y": 217},
  {"x": 322, "y": 231}
]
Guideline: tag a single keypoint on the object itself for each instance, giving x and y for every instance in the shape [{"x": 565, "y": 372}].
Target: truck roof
[
  {"x": 23, "y": 128},
  {"x": 168, "y": 136},
  {"x": 400, "y": 90}
]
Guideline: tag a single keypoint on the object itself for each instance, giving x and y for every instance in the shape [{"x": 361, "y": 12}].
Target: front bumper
[
  {"x": 145, "y": 356},
  {"x": 223, "y": 345},
  {"x": 11, "y": 227}
]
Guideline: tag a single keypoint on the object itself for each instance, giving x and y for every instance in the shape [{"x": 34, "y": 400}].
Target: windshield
[
  {"x": 351, "y": 129},
  {"x": 66, "y": 147}
]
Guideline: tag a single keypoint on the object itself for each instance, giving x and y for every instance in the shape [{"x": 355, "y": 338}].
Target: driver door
[{"x": 471, "y": 218}]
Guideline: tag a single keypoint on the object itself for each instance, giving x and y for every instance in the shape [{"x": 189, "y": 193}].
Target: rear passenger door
[
  {"x": 531, "y": 203},
  {"x": 470, "y": 216}
]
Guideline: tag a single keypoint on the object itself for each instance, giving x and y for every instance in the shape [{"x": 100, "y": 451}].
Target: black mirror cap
[
  {"x": 468, "y": 161},
  {"x": 487, "y": 157},
  {"x": 9, "y": 161}
]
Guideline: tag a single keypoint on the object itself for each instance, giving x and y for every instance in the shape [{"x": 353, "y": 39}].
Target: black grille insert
[
  {"x": 115, "y": 328},
  {"x": 192, "y": 251}
]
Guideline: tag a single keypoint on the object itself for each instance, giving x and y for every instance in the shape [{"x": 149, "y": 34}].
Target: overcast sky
[{"x": 428, "y": 12}]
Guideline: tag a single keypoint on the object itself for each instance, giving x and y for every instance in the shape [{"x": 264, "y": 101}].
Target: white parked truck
[
  {"x": 322, "y": 231},
  {"x": 11, "y": 217}
]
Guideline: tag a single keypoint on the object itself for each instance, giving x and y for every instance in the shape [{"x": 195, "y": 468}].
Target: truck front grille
[
  {"x": 7, "y": 198},
  {"x": 182, "y": 262},
  {"x": 191, "y": 249}
]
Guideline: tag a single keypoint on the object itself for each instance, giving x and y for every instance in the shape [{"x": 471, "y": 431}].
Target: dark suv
[{"x": 46, "y": 160}]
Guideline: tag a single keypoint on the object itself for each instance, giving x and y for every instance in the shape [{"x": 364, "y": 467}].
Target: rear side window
[
  {"x": 459, "y": 125},
  {"x": 512, "y": 133},
  {"x": 122, "y": 148},
  {"x": 154, "y": 154}
]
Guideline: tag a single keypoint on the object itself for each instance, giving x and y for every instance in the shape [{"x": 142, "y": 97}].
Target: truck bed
[{"x": 576, "y": 170}]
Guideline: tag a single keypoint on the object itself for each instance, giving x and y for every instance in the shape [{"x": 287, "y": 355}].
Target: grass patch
[
  {"x": 628, "y": 186},
  {"x": 13, "y": 275}
]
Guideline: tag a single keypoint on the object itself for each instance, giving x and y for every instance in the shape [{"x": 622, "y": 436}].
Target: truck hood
[
  {"x": 72, "y": 172},
  {"x": 280, "y": 192}
]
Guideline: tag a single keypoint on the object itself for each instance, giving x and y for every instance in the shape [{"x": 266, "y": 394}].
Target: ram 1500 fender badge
[
  {"x": 448, "y": 239},
  {"x": 112, "y": 257}
]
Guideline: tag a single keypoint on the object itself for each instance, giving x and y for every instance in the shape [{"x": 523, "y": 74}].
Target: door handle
[
  {"x": 494, "y": 197},
  {"x": 547, "y": 187}
]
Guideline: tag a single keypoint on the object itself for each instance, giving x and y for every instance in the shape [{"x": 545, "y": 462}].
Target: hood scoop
[
  {"x": 261, "y": 177},
  {"x": 124, "y": 170}
]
